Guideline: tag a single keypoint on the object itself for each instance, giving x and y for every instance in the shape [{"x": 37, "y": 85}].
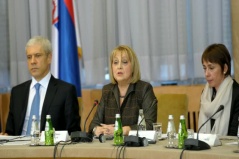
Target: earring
[{"x": 224, "y": 72}]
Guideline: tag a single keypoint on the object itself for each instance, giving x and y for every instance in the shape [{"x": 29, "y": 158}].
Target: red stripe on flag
[{"x": 69, "y": 6}]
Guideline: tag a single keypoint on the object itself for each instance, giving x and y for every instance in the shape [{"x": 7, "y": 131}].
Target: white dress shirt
[{"x": 32, "y": 91}]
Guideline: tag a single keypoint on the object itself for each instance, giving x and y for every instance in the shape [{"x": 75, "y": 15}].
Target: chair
[
  {"x": 4, "y": 109},
  {"x": 193, "y": 117},
  {"x": 175, "y": 104},
  {"x": 87, "y": 103}
]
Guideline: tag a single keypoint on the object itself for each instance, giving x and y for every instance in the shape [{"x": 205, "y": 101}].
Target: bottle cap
[
  {"x": 48, "y": 116},
  {"x": 117, "y": 115},
  {"x": 170, "y": 117},
  {"x": 182, "y": 117},
  {"x": 34, "y": 117},
  {"x": 141, "y": 111}
]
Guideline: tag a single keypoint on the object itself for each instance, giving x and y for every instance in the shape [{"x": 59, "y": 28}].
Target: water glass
[
  {"x": 190, "y": 133},
  {"x": 158, "y": 128}
]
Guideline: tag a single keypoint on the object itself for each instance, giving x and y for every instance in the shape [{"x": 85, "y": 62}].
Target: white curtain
[
  {"x": 168, "y": 36},
  {"x": 27, "y": 18},
  {"x": 4, "y": 67}
]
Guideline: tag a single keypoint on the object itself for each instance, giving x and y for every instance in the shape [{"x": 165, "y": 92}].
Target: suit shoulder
[
  {"x": 235, "y": 84},
  {"x": 22, "y": 85},
  {"x": 143, "y": 84},
  {"x": 235, "y": 88},
  {"x": 108, "y": 87},
  {"x": 60, "y": 82},
  {"x": 63, "y": 83}
]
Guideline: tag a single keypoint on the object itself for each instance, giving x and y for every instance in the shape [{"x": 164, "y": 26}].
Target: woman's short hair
[
  {"x": 218, "y": 53},
  {"x": 45, "y": 43},
  {"x": 132, "y": 58}
]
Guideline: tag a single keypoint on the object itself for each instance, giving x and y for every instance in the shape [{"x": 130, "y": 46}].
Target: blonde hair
[
  {"x": 43, "y": 42},
  {"x": 136, "y": 75}
]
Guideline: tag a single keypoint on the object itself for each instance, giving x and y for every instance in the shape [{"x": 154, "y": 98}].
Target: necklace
[{"x": 122, "y": 96}]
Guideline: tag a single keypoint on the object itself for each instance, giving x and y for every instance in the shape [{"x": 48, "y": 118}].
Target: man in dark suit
[{"x": 57, "y": 98}]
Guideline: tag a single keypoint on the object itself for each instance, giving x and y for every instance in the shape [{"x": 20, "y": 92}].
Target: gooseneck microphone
[
  {"x": 83, "y": 136},
  {"x": 136, "y": 141},
  {"x": 95, "y": 104},
  {"x": 221, "y": 107},
  {"x": 196, "y": 144}
]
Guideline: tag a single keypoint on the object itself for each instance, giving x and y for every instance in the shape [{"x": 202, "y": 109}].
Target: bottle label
[
  {"x": 49, "y": 133},
  {"x": 49, "y": 137},
  {"x": 118, "y": 133},
  {"x": 47, "y": 126},
  {"x": 139, "y": 119},
  {"x": 118, "y": 137},
  {"x": 36, "y": 134},
  {"x": 171, "y": 134},
  {"x": 182, "y": 133},
  {"x": 116, "y": 125}
]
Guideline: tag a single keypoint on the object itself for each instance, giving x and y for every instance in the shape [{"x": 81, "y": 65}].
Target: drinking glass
[
  {"x": 158, "y": 128},
  {"x": 190, "y": 133}
]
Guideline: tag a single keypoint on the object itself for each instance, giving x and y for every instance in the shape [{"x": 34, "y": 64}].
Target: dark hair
[{"x": 218, "y": 53}]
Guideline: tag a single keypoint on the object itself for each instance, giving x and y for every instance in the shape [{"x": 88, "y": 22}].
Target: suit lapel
[
  {"x": 26, "y": 95},
  {"x": 50, "y": 93},
  {"x": 23, "y": 109}
]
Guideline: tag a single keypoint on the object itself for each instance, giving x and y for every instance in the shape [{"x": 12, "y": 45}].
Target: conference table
[{"x": 106, "y": 150}]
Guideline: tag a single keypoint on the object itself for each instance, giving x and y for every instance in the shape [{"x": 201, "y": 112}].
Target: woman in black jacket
[{"x": 125, "y": 95}]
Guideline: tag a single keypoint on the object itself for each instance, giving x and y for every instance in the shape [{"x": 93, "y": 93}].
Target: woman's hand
[
  {"x": 126, "y": 130},
  {"x": 104, "y": 129},
  {"x": 5, "y": 134},
  {"x": 108, "y": 129}
]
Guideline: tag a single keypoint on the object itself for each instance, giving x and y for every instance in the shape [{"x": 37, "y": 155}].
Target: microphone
[
  {"x": 135, "y": 141},
  {"x": 196, "y": 144},
  {"x": 95, "y": 104},
  {"x": 79, "y": 136},
  {"x": 139, "y": 125}
]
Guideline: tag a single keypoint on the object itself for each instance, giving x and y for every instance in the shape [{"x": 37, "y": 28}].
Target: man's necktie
[{"x": 34, "y": 108}]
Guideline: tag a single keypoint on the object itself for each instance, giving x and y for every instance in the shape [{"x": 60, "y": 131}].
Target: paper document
[{"x": 14, "y": 140}]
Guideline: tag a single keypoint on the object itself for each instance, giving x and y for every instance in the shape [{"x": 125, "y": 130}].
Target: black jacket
[
  {"x": 60, "y": 102},
  {"x": 233, "y": 122},
  {"x": 139, "y": 96}
]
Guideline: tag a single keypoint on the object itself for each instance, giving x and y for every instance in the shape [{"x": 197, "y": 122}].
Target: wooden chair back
[
  {"x": 4, "y": 109},
  {"x": 175, "y": 104}
]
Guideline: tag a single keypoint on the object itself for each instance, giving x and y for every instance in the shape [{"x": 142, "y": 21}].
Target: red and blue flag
[{"x": 65, "y": 62}]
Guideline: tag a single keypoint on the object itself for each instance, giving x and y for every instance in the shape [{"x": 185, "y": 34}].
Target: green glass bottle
[
  {"x": 49, "y": 132},
  {"x": 182, "y": 132},
  {"x": 118, "y": 132}
]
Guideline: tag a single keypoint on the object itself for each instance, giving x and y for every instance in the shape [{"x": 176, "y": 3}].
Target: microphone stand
[
  {"x": 135, "y": 141},
  {"x": 196, "y": 144},
  {"x": 83, "y": 136}
]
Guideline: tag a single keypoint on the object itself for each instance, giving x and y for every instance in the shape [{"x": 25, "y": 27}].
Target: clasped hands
[
  {"x": 104, "y": 129},
  {"x": 109, "y": 129}
]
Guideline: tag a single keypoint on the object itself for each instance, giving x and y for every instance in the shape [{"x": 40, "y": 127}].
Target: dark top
[
  {"x": 214, "y": 92},
  {"x": 139, "y": 96},
  {"x": 60, "y": 102},
  {"x": 233, "y": 122}
]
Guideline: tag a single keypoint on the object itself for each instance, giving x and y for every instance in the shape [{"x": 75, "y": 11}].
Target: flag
[{"x": 65, "y": 62}]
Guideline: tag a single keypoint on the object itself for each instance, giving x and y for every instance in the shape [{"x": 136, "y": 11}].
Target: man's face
[{"x": 38, "y": 61}]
